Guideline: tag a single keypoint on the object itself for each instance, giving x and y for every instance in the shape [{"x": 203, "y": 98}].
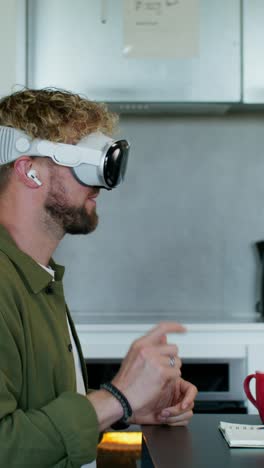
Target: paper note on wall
[{"x": 161, "y": 29}]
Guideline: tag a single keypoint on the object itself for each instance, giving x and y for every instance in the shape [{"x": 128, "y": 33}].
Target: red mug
[{"x": 258, "y": 402}]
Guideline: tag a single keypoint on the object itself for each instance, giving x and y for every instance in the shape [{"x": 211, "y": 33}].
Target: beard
[{"x": 70, "y": 219}]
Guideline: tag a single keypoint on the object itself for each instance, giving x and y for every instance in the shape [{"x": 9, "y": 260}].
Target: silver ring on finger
[{"x": 172, "y": 361}]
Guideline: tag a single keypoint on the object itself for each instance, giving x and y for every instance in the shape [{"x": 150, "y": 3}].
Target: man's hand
[
  {"x": 149, "y": 369},
  {"x": 150, "y": 378},
  {"x": 174, "y": 407}
]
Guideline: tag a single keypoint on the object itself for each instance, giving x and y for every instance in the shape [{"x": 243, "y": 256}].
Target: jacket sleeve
[{"x": 63, "y": 433}]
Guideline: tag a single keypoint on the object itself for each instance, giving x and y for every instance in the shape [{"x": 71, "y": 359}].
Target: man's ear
[{"x": 22, "y": 167}]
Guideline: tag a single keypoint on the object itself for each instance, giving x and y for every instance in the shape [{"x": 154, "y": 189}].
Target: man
[{"x": 48, "y": 416}]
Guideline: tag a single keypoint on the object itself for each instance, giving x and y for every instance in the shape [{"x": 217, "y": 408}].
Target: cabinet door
[
  {"x": 12, "y": 45},
  {"x": 253, "y": 53},
  {"x": 81, "y": 45}
]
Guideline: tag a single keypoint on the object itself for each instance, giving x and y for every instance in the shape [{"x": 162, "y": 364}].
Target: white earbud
[{"x": 33, "y": 175}]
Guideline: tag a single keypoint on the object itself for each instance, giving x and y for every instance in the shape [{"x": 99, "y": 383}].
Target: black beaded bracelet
[
  {"x": 121, "y": 398},
  {"x": 120, "y": 425}
]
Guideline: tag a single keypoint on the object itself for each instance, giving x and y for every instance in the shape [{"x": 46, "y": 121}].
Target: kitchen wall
[{"x": 176, "y": 240}]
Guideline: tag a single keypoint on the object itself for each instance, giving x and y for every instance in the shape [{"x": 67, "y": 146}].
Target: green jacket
[{"x": 43, "y": 421}]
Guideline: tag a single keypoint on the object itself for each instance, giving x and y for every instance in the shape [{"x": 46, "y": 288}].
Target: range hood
[
  {"x": 83, "y": 50},
  {"x": 176, "y": 108},
  {"x": 169, "y": 108}
]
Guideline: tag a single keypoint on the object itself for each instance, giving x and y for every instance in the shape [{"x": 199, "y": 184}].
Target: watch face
[{"x": 115, "y": 163}]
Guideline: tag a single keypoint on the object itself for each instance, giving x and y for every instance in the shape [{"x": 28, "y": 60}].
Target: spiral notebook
[{"x": 242, "y": 435}]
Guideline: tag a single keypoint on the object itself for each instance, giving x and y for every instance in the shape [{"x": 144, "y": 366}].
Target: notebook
[{"x": 242, "y": 435}]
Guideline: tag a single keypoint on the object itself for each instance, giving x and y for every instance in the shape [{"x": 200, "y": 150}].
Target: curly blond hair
[{"x": 55, "y": 115}]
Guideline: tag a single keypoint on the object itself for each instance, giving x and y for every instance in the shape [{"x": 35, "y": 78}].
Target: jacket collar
[{"x": 36, "y": 277}]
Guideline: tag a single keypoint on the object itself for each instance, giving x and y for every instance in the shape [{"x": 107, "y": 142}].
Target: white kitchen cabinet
[
  {"x": 253, "y": 52},
  {"x": 12, "y": 45},
  {"x": 80, "y": 46}
]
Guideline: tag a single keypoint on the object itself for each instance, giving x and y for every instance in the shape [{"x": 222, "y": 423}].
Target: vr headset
[{"x": 97, "y": 160}]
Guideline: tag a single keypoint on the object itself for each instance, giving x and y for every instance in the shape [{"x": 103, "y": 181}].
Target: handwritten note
[{"x": 162, "y": 29}]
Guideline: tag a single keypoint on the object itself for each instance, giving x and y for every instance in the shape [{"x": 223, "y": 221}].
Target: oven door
[{"x": 219, "y": 383}]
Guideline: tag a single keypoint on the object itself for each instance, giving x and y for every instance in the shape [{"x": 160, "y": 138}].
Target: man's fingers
[
  {"x": 166, "y": 365},
  {"x": 190, "y": 391},
  {"x": 176, "y": 419},
  {"x": 156, "y": 334},
  {"x": 166, "y": 355},
  {"x": 180, "y": 420},
  {"x": 163, "y": 350},
  {"x": 176, "y": 410}
]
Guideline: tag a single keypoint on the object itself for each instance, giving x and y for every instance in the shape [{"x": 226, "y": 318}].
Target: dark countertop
[{"x": 198, "y": 445}]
